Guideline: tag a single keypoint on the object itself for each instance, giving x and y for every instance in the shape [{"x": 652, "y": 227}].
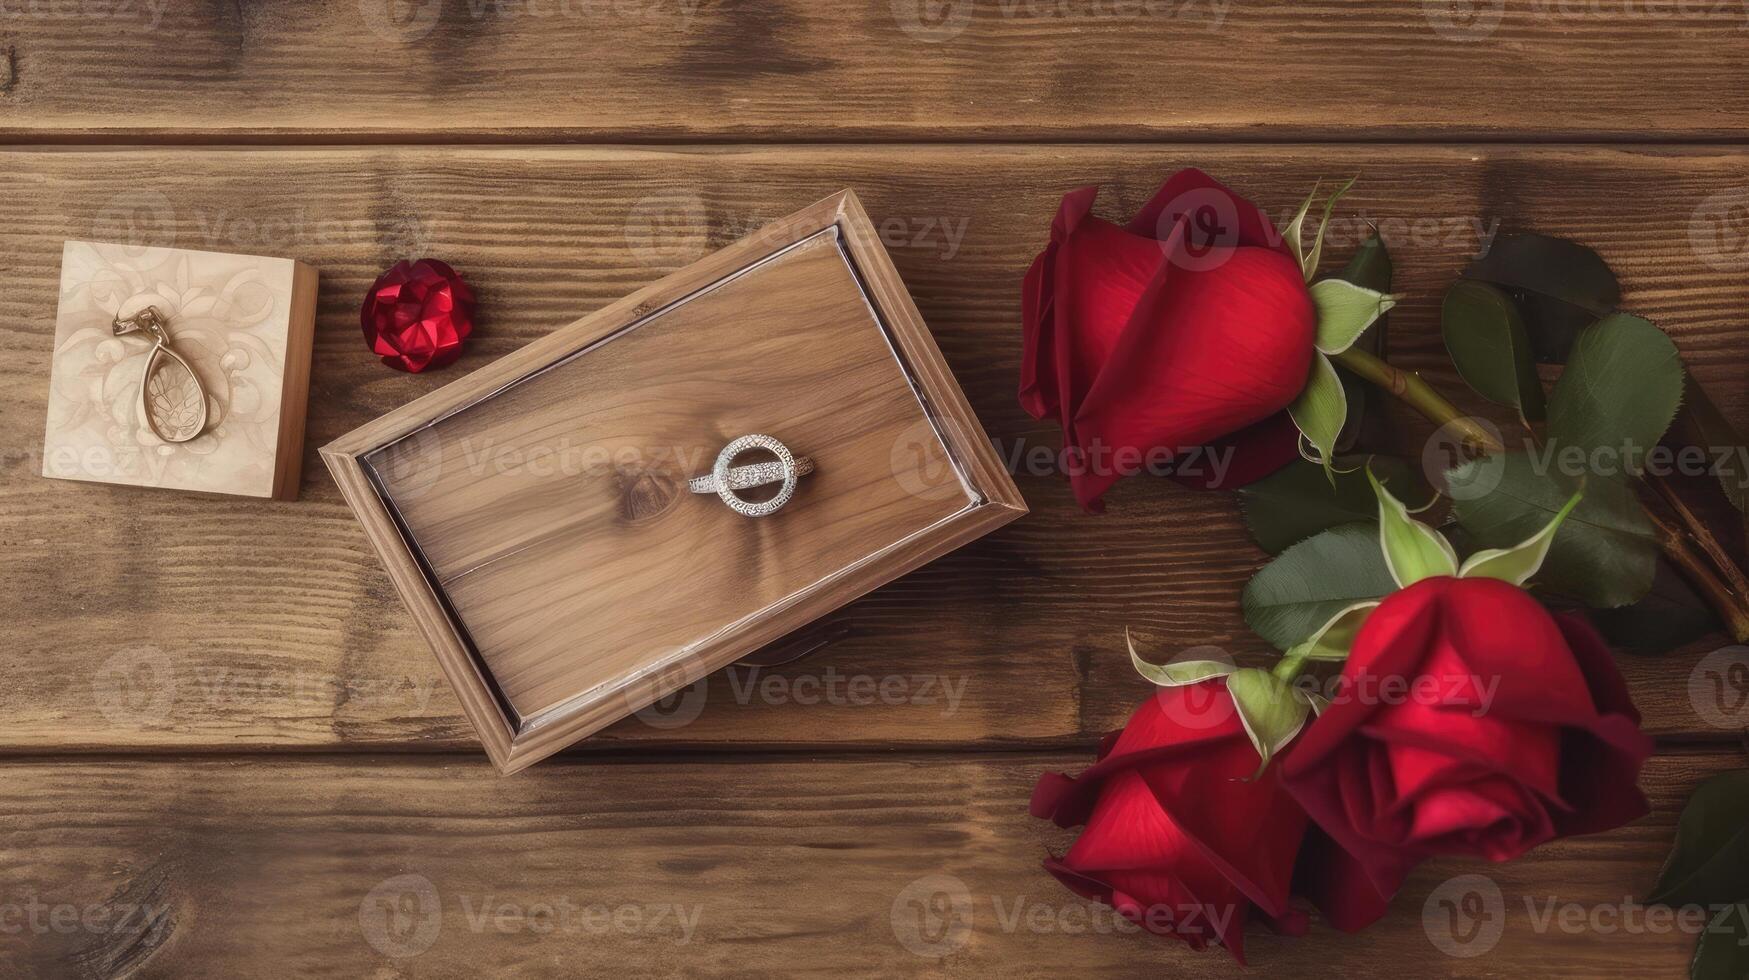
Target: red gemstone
[{"x": 417, "y": 315}]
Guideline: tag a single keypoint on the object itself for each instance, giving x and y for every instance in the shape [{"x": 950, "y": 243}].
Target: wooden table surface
[{"x": 226, "y": 752}]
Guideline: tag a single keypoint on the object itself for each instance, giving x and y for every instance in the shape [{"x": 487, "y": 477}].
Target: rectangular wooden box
[
  {"x": 535, "y": 516},
  {"x": 243, "y": 323}
]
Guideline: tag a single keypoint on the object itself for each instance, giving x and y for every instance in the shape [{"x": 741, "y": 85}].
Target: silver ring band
[
  {"x": 750, "y": 475},
  {"x": 723, "y": 481}
]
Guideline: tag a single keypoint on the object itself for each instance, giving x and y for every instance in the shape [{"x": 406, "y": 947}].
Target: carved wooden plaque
[
  {"x": 220, "y": 410},
  {"x": 536, "y": 515}
]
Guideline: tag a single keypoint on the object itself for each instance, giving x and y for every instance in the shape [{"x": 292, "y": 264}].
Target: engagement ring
[{"x": 725, "y": 478}]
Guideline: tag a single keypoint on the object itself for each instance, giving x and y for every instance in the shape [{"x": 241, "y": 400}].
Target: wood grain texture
[
  {"x": 850, "y": 70},
  {"x": 409, "y": 867},
  {"x": 123, "y": 648}
]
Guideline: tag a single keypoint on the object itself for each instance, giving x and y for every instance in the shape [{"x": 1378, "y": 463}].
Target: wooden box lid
[{"x": 535, "y": 515}]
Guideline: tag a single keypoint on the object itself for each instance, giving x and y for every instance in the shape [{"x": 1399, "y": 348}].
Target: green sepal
[
  {"x": 1319, "y": 411},
  {"x": 1345, "y": 311},
  {"x": 1295, "y": 231},
  {"x": 1316, "y": 255},
  {"x": 1333, "y": 639},
  {"x": 1413, "y": 551},
  {"x": 1176, "y": 674},
  {"x": 1271, "y": 709},
  {"x": 1518, "y": 563}
]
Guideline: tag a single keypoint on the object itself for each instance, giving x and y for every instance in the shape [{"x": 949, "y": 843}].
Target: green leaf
[
  {"x": 1489, "y": 345},
  {"x": 1178, "y": 673},
  {"x": 1670, "y": 615},
  {"x": 1620, "y": 390},
  {"x": 1345, "y": 311},
  {"x": 1519, "y": 562},
  {"x": 1371, "y": 265},
  {"x": 1560, "y": 287},
  {"x": 1709, "y": 864},
  {"x": 1320, "y": 409},
  {"x": 1317, "y": 254},
  {"x": 1700, "y": 424},
  {"x": 1723, "y": 950},
  {"x": 1607, "y": 554},
  {"x": 1297, "y": 501},
  {"x": 1334, "y": 639},
  {"x": 1269, "y": 709},
  {"x": 1291, "y": 597},
  {"x": 1413, "y": 551}
]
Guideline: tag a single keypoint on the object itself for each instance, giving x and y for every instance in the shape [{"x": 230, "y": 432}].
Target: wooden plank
[
  {"x": 1051, "y": 70},
  {"x": 743, "y": 866},
  {"x": 188, "y": 621}
]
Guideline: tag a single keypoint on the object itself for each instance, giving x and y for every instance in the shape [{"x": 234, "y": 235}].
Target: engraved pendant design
[{"x": 171, "y": 392}]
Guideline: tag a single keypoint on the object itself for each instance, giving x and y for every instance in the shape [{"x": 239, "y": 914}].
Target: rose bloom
[
  {"x": 1526, "y": 734},
  {"x": 1180, "y": 839},
  {"x": 1189, "y": 326},
  {"x": 417, "y": 315}
]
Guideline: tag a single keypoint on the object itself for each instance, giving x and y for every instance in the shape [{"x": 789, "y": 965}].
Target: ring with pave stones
[{"x": 724, "y": 478}]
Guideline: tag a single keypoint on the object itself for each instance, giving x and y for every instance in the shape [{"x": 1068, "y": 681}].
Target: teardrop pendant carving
[
  {"x": 171, "y": 394},
  {"x": 175, "y": 401}
]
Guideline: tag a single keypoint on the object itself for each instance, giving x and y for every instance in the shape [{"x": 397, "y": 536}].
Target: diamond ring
[{"x": 725, "y": 478}]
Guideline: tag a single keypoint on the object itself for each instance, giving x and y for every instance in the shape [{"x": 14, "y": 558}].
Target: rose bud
[
  {"x": 1470, "y": 721},
  {"x": 1190, "y": 325},
  {"x": 417, "y": 315},
  {"x": 1180, "y": 838}
]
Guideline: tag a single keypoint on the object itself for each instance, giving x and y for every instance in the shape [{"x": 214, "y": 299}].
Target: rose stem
[
  {"x": 1676, "y": 547},
  {"x": 1419, "y": 395},
  {"x": 1701, "y": 534}
]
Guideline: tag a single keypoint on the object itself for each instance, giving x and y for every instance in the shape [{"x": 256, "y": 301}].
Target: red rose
[
  {"x": 1180, "y": 838},
  {"x": 1467, "y": 721},
  {"x": 1189, "y": 326},
  {"x": 417, "y": 314}
]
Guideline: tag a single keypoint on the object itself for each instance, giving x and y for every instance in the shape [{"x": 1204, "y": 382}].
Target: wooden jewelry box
[{"x": 536, "y": 518}]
